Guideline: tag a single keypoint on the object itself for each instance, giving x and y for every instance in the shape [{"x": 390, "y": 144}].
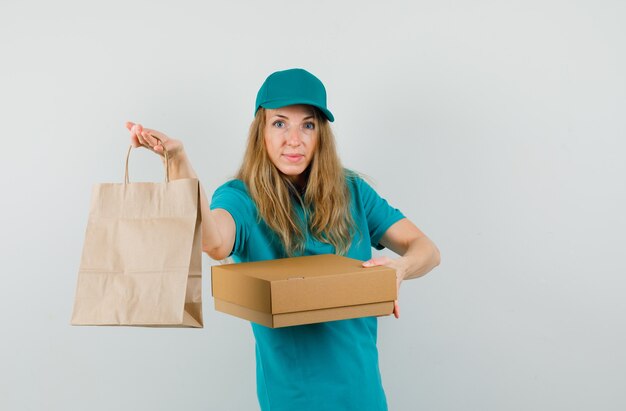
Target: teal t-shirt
[{"x": 328, "y": 366}]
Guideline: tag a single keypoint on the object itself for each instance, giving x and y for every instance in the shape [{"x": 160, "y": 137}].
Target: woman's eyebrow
[{"x": 287, "y": 118}]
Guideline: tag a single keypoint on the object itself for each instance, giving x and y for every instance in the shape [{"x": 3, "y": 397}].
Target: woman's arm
[
  {"x": 418, "y": 254},
  {"x": 218, "y": 226}
]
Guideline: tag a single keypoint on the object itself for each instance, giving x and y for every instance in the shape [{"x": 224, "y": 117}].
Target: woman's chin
[
  {"x": 295, "y": 174},
  {"x": 292, "y": 171}
]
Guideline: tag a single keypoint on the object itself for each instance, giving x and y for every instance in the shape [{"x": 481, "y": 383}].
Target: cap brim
[{"x": 291, "y": 102}]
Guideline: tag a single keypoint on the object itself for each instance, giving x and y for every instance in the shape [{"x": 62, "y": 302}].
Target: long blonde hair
[{"x": 325, "y": 199}]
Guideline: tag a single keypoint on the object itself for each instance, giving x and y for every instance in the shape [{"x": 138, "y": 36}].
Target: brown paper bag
[{"x": 142, "y": 257}]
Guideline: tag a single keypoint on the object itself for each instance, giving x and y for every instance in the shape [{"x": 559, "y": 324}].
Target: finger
[
  {"x": 159, "y": 140},
  {"x": 396, "y": 309},
  {"x": 144, "y": 136},
  {"x": 134, "y": 139},
  {"x": 140, "y": 139},
  {"x": 158, "y": 144},
  {"x": 136, "y": 130},
  {"x": 149, "y": 138},
  {"x": 159, "y": 137},
  {"x": 376, "y": 261}
]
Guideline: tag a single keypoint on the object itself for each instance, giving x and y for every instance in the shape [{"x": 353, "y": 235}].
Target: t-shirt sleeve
[
  {"x": 232, "y": 197},
  {"x": 379, "y": 214}
]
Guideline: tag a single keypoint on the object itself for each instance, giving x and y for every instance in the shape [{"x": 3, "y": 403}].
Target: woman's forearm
[
  {"x": 180, "y": 167},
  {"x": 421, "y": 257}
]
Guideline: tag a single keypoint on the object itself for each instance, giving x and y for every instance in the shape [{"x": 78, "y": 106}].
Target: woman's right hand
[
  {"x": 219, "y": 231},
  {"x": 145, "y": 137}
]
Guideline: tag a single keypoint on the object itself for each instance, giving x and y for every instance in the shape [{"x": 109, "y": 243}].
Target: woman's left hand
[{"x": 397, "y": 265}]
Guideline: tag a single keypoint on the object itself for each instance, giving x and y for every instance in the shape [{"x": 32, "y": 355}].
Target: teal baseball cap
[{"x": 293, "y": 86}]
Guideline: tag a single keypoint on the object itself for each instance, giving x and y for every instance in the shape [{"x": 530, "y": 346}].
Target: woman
[{"x": 292, "y": 197}]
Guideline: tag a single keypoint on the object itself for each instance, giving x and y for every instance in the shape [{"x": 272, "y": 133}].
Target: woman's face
[{"x": 291, "y": 138}]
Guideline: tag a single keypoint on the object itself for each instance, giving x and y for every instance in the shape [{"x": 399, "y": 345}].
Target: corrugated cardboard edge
[{"x": 305, "y": 317}]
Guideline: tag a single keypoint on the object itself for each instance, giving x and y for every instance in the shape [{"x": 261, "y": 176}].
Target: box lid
[{"x": 303, "y": 283}]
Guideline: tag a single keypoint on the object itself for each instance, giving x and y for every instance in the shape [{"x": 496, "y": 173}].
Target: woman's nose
[{"x": 293, "y": 137}]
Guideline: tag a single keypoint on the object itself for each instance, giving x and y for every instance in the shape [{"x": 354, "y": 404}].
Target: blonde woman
[{"x": 292, "y": 197}]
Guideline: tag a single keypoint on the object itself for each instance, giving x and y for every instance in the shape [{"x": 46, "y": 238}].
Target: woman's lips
[{"x": 293, "y": 158}]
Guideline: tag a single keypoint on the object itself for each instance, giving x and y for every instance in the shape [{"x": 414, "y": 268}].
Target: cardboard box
[{"x": 303, "y": 290}]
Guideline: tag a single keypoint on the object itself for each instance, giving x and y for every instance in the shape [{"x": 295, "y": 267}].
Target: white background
[{"x": 496, "y": 126}]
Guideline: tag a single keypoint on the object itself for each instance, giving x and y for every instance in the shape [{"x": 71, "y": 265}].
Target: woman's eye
[
  {"x": 309, "y": 126},
  {"x": 279, "y": 124}
]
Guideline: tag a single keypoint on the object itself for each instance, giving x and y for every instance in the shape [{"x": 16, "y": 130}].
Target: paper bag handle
[{"x": 167, "y": 162}]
